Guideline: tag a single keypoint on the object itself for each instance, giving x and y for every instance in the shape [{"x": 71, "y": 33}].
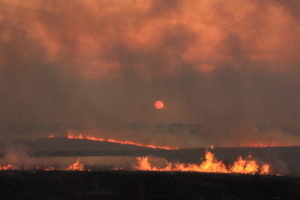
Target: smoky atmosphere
[
  {"x": 150, "y": 99},
  {"x": 180, "y": 73}
]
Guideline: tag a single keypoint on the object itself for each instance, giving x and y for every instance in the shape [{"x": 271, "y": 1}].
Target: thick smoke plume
[{"x": 98, "y": 65}]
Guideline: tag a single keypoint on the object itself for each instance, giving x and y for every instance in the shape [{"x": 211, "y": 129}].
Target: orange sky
[
  {"x": 202, "y": 33},
  {"x": 228, "y": 65}
]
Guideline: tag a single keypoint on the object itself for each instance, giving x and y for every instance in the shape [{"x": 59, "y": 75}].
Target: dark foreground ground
[{"x": 19, "y": 185}]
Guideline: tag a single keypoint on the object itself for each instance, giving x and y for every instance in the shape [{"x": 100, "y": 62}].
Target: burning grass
[
  {"x": 209, "y": 165},
  {"x": 71, "y": 135},
  {"x": 76, "y": 166},
  {"x": 8, "y": 167}
]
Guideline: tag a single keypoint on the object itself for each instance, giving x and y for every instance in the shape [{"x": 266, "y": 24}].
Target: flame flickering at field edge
[
  {"x": 76, "y": 166},
  {"x": 7, "y": 167},
  {"x": 209, "y": 165},
  {"x": 70, "y": 135},
  {"x": 265, "y": 145}
]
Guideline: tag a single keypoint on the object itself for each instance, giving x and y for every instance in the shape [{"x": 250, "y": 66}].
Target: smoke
[
  {"x": 17, "y": 155},
  {"x": 99, "y": 65}
]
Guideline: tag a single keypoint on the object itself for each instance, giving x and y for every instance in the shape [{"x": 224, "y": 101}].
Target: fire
[
  {"x": 144, "y": 165},
  {"x": 70, "y": 135},
  {"x": 209, "y": 165},
  {"x": 7, "y": 167},
  {"x": 242, "y": 166},
  {"x": 265, "y": 169},
  {"x": 49, "y": 168},
  {"x": 260, "y": 144},
  {"x": 76, "y": 166}
]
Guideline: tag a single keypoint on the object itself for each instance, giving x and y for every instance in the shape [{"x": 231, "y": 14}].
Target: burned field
[{"x": 144, "y": 185}]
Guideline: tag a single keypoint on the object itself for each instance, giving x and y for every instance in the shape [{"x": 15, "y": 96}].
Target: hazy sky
[{"x": 100, "y": 64}]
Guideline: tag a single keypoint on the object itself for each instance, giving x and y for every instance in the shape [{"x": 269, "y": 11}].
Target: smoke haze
[{"x": 98, "y": 65}]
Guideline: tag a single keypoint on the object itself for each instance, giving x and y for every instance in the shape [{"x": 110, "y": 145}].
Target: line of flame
[
  {"x": 261, "y": 145},
  {"x": 76, "y": 166},
  {"x": 209, "y": 165},
  {"x": 70, "y": 135},
  {"x": 8, "y": 167}
]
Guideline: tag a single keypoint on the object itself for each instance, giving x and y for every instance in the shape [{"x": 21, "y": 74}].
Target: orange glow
[
  {"x": 264, "y": 145},
  {"x": 76, "y": 166},
  {"x": 7, "y": 167},
  {"x": 265, "y": 169},
  {"x": 159, "y": 105},
  {"x": 242, "y": 166},
  {"x": 70, "y": 135},
  {"x": 273, "y": 42},
  {"x": 209, "y": 165},
  {"x": 49, "y": 168}
]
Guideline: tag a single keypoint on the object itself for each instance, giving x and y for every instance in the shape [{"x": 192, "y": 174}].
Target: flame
[
  {"x": 260, "y": 144},
  {"x": 265, "y": 169},
  {"x": 49, "y": 168},
  {"x": 268, "y": 145},
  {"x": 209, "y": 165},
  {"x": 144, "y": 165},
  {"x": 8, "y": 167},
  {"x": 76, "y": 166},
  {"x": 242, "y": 166},
  {"x": 70, "y": 135}
]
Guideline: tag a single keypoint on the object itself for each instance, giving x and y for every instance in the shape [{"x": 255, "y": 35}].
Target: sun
[{"x": 159, "y": 104}]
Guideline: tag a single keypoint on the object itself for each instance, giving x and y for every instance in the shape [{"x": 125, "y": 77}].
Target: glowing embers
[
  {"x": 70, "y": 135},
  {"x": 8, "y": 167},
  {"x": 76, "y": 166},
  {"x": 209, "y": 165},
  {"x": 265, "y": 145}
]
